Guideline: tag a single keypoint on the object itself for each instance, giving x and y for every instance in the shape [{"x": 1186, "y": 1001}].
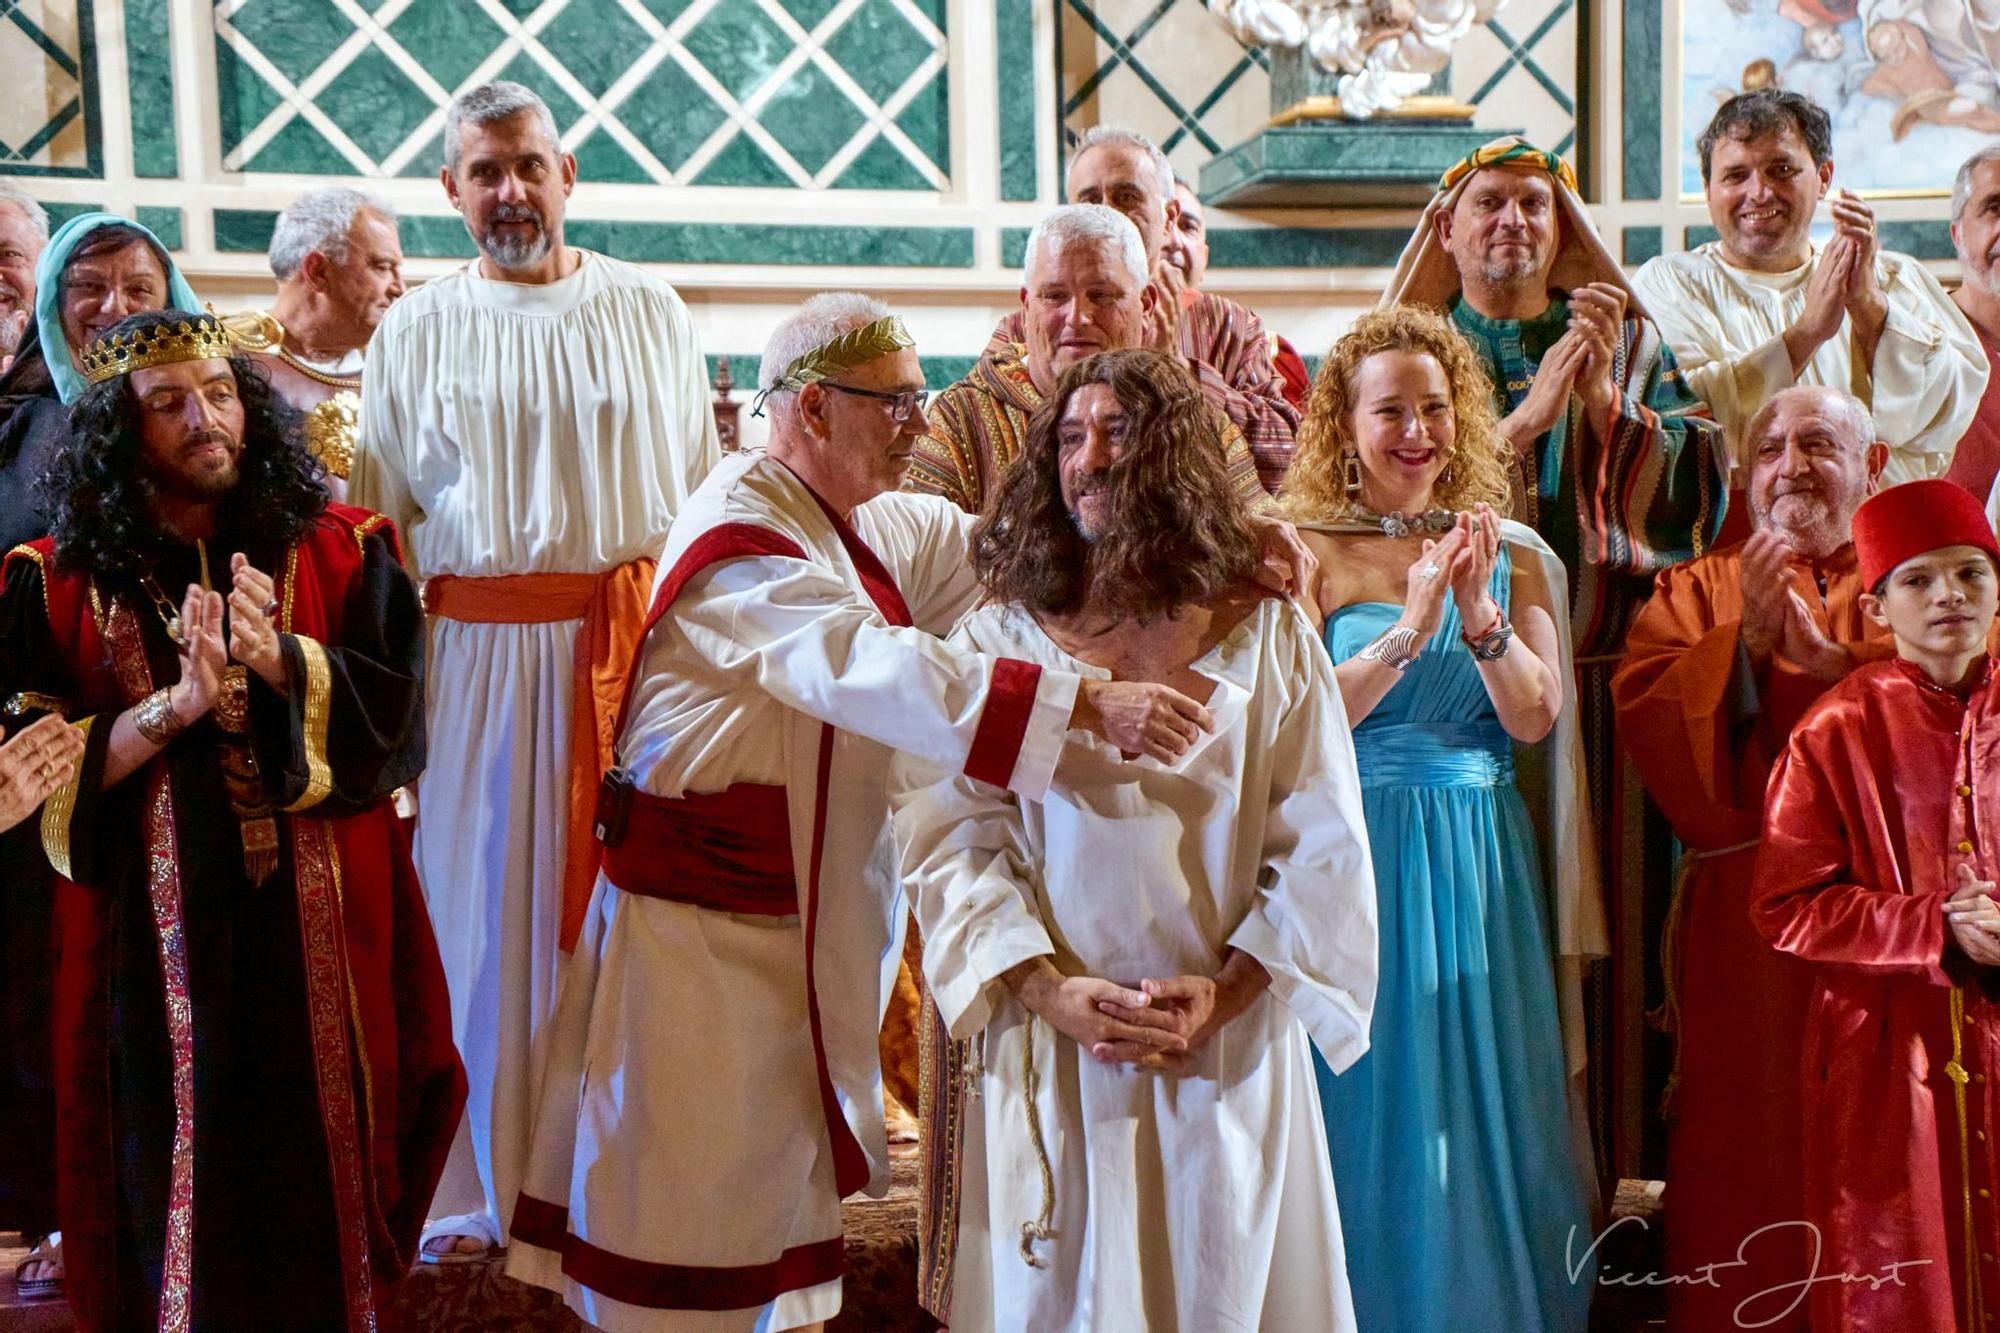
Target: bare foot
[
  {"x": 43, "y": 1264},
  {"x": 448, "y": 1244}
]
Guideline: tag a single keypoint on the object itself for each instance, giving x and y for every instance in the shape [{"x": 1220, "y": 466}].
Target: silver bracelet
[
  {"x": 153, "y": 718},
  {"x": 1393, "y": 648},
  {"x": 1492, "y": 645}
]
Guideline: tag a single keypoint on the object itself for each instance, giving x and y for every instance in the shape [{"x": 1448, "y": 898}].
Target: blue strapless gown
[{"x": 1450, "y": 1137}]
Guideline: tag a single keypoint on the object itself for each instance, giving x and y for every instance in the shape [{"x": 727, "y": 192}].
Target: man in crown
[{"x": 251, "y": 1030}]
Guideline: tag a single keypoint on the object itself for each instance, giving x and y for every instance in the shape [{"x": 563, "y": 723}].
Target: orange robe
[
  {"x": 1705, "y": 735},
  {"x": 1888, "y": 786}
]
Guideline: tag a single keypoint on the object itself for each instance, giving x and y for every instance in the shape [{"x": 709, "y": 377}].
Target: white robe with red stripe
[{"x": 681, "y": 1160}]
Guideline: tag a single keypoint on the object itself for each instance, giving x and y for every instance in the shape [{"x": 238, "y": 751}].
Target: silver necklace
[{"x": 1430, "y": 521}]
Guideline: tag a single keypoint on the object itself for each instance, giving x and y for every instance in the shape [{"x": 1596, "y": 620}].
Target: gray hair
[
  {"x": 38, "y": 217},
  {"x": 1089, "y": 224},
  {"x": 818, "y": 322},
  {"x": 318, "y": 221},
  {"x": 1099, "y": 135},
  {"x": 1859, "y": 418},
  {"x": 1961, "y": 186},
  {"x": 490, "y": 102}
]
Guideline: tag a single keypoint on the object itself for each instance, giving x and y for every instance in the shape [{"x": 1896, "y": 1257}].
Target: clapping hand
[
  {"x": 1766, "y": 581},
  {"x": 1547, "y": 400},
  {"x": 1163, "y": 321},
  {"x": 1596, "y": 314},
  {"x": 1472, "y": 571},
  {"x": 1429, "y": 579},
  {"x": 203, "y": 655},
  {"x": 253, "y": 631}
]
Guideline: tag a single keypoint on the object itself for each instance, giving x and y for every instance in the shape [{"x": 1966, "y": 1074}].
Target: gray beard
[
  {"x": 1986, "y": 279},
  {"x": 513, "y": 253}
]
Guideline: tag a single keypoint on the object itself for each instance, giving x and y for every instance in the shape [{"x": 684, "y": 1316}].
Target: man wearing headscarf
[{"x": 1618, "y": 466}]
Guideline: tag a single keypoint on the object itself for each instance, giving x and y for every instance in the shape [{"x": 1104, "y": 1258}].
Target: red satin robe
[
  {"x": 1890, "y": 784},
  {"x": 1704, "y": 729}
]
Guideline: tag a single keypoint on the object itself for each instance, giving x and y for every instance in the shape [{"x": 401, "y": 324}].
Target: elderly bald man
[{"x": 1719, "y": 667}]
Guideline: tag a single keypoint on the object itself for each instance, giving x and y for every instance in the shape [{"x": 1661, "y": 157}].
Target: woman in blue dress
[{"x": 1455, "y": 1150}]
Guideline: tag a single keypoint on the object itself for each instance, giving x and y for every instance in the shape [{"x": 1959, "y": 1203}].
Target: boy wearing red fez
[{"x": 1881, "y": 846}]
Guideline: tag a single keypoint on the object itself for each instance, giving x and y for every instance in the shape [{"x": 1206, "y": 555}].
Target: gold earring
[{"x": 1353, "y": 473}]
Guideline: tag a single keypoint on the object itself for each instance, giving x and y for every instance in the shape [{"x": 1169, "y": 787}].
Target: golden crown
[{"x": 195, "y": 338}]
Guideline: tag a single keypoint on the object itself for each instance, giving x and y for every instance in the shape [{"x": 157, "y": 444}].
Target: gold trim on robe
[
  {"x": 319, "y": 692},
  {"x": 56, "y": 812}
]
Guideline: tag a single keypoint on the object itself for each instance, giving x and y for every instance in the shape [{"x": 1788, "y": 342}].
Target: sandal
[
  {"x": 466, "y": 1226},
  {"x": 49, "y": 1286}
]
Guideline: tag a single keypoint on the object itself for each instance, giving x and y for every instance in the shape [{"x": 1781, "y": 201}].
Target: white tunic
[
  {"x": 1727, "y": 324},
  {"x": 1194, "y": 1201},
  {"x": 511, "y": 429},
  {"x": 680, "y": 1123}
]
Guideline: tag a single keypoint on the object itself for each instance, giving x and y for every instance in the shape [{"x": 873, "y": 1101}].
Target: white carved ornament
[{"x": 1380, "y": 51}]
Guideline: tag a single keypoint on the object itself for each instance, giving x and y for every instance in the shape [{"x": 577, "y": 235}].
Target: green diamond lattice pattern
[
  {"x": 48, "y": 99},
  {"x": 789, "y": 94},
  {"x": 1168, "y": 69}
]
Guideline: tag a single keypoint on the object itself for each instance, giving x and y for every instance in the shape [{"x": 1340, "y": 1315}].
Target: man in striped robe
[
  {"x": 1221, "y": 343},
  {"x": 1623, "y": 471}
]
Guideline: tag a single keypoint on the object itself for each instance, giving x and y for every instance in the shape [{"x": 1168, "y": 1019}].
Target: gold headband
[
  {"x": 856, "y": 347},
  {"x": 196, "y": 338}
]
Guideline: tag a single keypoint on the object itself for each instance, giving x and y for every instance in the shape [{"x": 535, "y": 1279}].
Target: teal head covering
[{"x": 48, "y": 295}]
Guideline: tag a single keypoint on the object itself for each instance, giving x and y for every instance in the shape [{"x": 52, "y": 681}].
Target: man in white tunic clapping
[{"x": 1140, "y": 956}]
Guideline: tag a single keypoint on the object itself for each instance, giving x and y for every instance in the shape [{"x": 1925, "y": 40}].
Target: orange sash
[{"x": 612, "y": 606}]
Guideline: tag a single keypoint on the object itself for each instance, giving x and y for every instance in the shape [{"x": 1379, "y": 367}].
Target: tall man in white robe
[
  {"x": 1225, "y": 899},
  {"x": 713, "y": 1086},
  {"x": 1761, "y": 308},
  {"x": 533, "y": 422}
]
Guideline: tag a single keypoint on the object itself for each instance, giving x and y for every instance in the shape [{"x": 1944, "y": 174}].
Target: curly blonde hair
[{"x": 1315, "y": 489}]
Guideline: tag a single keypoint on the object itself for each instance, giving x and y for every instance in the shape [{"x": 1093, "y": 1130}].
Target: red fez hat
[{"x": 1907, "y": 521}]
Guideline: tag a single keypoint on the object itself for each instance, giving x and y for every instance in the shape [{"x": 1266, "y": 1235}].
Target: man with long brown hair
[{"x": 1089, "y": 947}]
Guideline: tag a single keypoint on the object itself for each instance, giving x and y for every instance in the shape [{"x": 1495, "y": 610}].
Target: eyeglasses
[{"x": 901, "y": 405}]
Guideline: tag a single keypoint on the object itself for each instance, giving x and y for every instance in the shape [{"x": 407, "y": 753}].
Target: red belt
[{"x": 730, "y": 851}]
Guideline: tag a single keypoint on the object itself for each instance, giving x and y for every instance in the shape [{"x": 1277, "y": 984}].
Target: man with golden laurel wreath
[
  {"x": 339, "y": 266},
  {"x": 533, "y": 421},
  {"x": 711, "y": 1088},
  {"x": 253, "y": 1056}
]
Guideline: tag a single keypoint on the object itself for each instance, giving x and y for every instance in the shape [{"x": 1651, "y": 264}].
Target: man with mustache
[
  {"x": 1222, "y": 344},
  {"x": 712, "y": 1090},
  {"x": 250, "y": 1022},
  {"x": 339, "y": 265},
  {"x": 1761, "y": 308},
  {"x": 1719, "y": 667},
  {"x": 534, "y": 421},
  {"x": 24, "y": 230},
  {"x": 1141, "y": 958},
  {"x": 1975, "y": 234},
  {"x": 1084, "y": 291}
]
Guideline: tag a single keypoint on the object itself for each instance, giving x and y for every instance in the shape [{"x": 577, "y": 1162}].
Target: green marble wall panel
[
  {"x": 1641, "y": 243},
  {"x": 1306, "y": 247},
  {"x": 1643, "y": 88},
  {"x": 813, "y": 95},
  {"x": 1014, "y": 66},
  {"x": 61, "y": 213},
  {"x": 1014, "y": 246},
  {"x": 49, "y": 120},
  {"x": 164, "y": 223},
  {"x": 150, "y": 84},
  {"x": 248, "y": 231}
]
